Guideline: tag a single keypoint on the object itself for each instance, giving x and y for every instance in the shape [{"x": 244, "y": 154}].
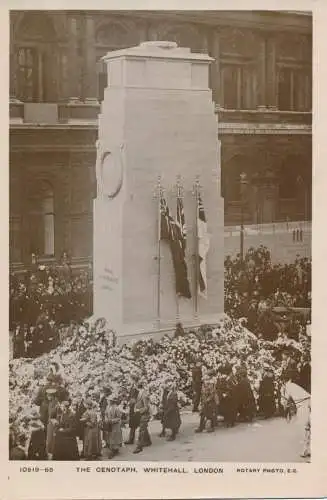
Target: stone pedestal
[{"x": 157, "y": 119}]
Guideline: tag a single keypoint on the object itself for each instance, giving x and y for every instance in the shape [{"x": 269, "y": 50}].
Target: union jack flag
[{"x": 174, "y": 232}]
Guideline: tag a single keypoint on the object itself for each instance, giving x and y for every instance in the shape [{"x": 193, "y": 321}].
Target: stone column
[
  {"x": 272, "y": 91},
  {"x": 262, "y": 73},
  {"x": 13, "y": 70},
  {"x": 73, "y": 59},
  {"x": 89, "y": 73},
  {"x": 215, "y": 67}
]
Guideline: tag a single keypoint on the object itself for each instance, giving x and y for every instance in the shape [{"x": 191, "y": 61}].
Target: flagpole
[
  {"x": 179, "y": 189},
  {"x": 158, "y": 195},
  {"x": 196, "y": 291}
]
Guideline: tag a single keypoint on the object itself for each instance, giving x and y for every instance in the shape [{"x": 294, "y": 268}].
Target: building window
[
  {"x": 238, "y": 86},
  {"x": 294, "y": 89},
  {"x": 29, "y": 74},
  {"x": 35, "y": 72},
  {"x": 42, "y": 220}
]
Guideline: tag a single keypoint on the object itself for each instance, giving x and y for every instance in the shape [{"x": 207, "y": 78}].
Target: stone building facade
[{"x": 261, "y": 80}]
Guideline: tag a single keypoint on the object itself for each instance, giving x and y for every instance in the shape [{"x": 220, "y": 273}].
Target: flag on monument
[
  {"x": 166, "y": 221},
  {"x": 170, "y": 231},
  {"x": 182, "y": 283},
  {"x": 203, "y": 247}
]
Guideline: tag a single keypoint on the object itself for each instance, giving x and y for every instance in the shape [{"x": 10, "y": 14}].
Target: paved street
[{"x": 262, "y": 441}]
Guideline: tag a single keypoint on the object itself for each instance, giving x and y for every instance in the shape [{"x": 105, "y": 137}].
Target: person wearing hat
[
  {"x": 142, "y": 407},
  {"x": 53, "y": 410},
  {"x": 266, "y": 400},
  {"x": 113, "y": 419},
  {"x": 92, "y": 435},
  {"x": 134, "y": 417},
  {"x": 209, "y": 403},
  {"x": 79, "y": 411},
  {"x": 171, "y": 415},
  {"x": 37, "y": 443},
  {"x": 103, "y": 405},
  {"x": 246, "y": 407},
  {"x": 65, "y": 442},
  {"x": 226, "y": 391}
]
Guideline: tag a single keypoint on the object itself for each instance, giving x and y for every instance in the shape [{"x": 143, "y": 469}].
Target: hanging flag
[
  {"x": 181, "y": 222},
  {"x": 166, "y": 221},
  {"x": 182, "y": 283},
  {"x": 203, "y": 247},
  {"x": 171, "y": 231}
]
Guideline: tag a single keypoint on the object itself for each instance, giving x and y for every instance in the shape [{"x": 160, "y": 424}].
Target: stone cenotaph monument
[{"x": 157, "y": 121}]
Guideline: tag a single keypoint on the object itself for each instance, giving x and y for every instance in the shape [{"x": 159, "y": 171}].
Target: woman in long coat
[
  {"x": 92, "y": 434},
  {"x": 113, "y": 420},
  {"x": 53, "y": 412},
  {"x": 171, "y": 415},
  {"x": 37, "y": 443},
  {"x": 65, "y": 442},
  {"x": 267, "y": 403}
]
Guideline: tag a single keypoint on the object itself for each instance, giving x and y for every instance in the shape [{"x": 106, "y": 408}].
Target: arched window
[
  {"x": 35, "y": 49},
  {"x": 42, "y": 219}
]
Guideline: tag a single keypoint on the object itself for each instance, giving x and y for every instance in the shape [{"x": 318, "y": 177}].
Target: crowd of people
[
  {"x": 73, "y": 389},
  {"x": 255, "y": 288},
  {"x": 226, "y": 373},
  {"x": 53, "y": 290}
]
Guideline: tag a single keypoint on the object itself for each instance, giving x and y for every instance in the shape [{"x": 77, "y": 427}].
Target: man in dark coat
[
  {"x": 226, "y": 389},
  {"x": 134, "y": 417},
  {"x": 80, "y": 409},
  {"x": 171, "y": 415},
  {"x": 267, "y": 404},
  {"x": 196, "y": 385},
  {"x": 19, "y": 342},
  {"x": 209, "y": 403},
  {"x": 30, "y": 341},
  {"x": 246, "y": 407},
  {"x": 37, "y": 444},
  {"x": 65, "y": 444}
]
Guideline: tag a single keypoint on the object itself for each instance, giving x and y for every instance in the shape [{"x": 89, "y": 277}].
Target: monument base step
[{"x": 136, "y": 332}]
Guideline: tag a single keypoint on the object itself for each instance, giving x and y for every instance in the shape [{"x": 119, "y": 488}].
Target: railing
[
  {"x": 264, "y": 115},
  {"x": 271, "y": 228}
]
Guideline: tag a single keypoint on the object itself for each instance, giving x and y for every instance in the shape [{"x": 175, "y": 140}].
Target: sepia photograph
[{"x": 160, "y": 188}]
